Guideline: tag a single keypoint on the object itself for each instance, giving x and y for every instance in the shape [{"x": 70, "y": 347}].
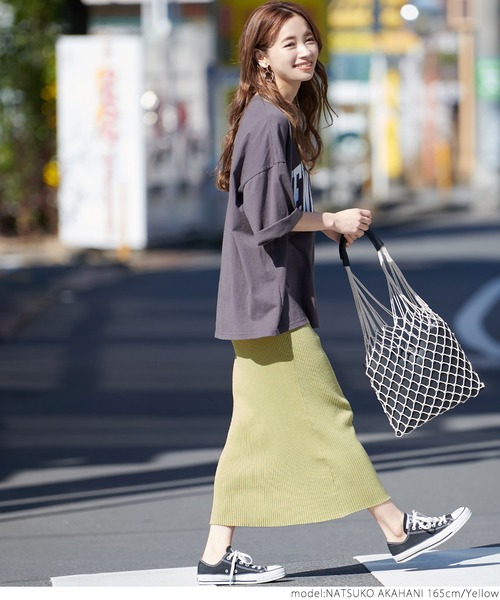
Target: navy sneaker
[
  {"x": 237, "y": 568},
  {"x": 425, "y": 533}
]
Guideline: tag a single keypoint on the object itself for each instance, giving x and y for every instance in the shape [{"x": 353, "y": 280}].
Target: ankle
[
  {"x": 394, "y": 531},
  {"x": 391, "y": 521},
  {"x": 219, "y": 539},
  {"x": 395, "y": 538},
  {"x": 212, "y": 556}
]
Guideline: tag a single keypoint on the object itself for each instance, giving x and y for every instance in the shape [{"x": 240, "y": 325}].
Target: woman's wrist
[
  {"x": 316, "y": 221},
  {"x": 328, "y": 219},
  {"x": 310, "y": 221}
]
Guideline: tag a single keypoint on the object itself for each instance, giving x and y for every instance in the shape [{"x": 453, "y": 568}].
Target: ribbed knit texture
[{"x": 291, "y": 455}]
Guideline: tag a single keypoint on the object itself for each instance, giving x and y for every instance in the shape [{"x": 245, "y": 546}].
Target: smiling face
[{"x": 292, "y": 57}]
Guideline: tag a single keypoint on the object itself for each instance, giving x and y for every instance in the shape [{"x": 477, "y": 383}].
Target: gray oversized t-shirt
[{"x": 266, "y": 284}]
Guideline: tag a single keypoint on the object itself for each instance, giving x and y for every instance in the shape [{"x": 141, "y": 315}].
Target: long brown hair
[{"x": 260, "y": 33}]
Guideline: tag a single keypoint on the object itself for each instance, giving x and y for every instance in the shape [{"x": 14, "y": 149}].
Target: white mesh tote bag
[{"x": 414, "y": 362}]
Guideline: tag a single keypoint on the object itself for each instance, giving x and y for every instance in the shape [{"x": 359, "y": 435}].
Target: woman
[{"x": 291, "y": 455}]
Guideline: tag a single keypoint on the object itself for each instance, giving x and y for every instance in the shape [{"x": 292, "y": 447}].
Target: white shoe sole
[
  {"x": 438, "y": 539},
  {"x": 247, "y": 579}
]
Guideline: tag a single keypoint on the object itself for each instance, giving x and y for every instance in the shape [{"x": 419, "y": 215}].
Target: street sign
[
  {"x": 102, "y": 201},
  {"x": 363, "y": 26},
  {"x": 488, "y": 79}
]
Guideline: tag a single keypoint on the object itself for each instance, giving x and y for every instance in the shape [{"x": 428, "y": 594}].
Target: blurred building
[
  {"x": 415, "y": 84},
  {"x": 135, "y": 134}
]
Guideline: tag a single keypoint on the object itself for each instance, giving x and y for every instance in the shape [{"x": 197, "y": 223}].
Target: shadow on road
[{"x": 119, "y": 388}]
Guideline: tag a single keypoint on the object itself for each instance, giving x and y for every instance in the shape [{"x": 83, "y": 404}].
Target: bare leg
[
  {"x": 387, "y": 515},
  {"x": 219, "y": 538},
  {"x": 390, "y": 519}
]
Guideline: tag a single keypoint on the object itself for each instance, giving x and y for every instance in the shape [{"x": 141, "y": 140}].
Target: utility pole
[
  {"x": 155, "y": 16},
  {"x": 461, "y": 18},
  {"x": 378, "y": 141},
  {"x": 488, "y": 103}
]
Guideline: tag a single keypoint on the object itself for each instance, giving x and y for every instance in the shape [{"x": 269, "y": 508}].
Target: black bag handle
[{"x": 372, "y": 236}]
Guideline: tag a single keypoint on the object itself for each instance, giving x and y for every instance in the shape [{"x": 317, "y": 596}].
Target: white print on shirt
[{"x": 301, "y": 185}]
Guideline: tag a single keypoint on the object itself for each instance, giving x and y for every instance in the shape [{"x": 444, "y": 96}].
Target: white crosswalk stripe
[
  {"x": 183, "y": 576},
  {"x": 464, "y": 568}
]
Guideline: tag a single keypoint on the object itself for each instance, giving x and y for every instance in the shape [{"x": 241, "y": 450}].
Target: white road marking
[
  {"x": 457, "y": 568},
  {"x": 469, "y": 322},
  {"x": 183, "y": 576}
]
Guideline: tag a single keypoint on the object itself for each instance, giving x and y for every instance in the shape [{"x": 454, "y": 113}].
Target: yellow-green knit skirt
[{"x": 291, "y": 455}]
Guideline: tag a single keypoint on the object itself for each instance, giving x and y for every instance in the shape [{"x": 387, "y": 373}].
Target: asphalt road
[{"x": 115, "y": 402}]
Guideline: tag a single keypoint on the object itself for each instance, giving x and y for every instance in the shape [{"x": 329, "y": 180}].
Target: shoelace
[
  {"x": 419, "y": 521},
  {"x": 245, "y": 559}
]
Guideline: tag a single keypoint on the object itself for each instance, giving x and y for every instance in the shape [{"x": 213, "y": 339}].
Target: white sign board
[{"x": 101, "y": 150}]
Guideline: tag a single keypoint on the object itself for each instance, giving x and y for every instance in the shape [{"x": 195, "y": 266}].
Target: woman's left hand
[{"x": 333, "y": 235}]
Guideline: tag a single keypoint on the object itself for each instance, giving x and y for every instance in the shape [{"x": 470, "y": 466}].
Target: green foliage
[{"x": 28, "y": 32}]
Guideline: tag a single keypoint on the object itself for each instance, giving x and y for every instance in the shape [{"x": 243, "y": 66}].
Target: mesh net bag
[{"x": 414, "y": 362}]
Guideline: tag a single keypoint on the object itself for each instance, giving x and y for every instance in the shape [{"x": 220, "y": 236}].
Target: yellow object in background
[
  {"x": 394, "y": 163},
  {"x": 51, "y": 174},
  {"x": 233, "y": 15}
]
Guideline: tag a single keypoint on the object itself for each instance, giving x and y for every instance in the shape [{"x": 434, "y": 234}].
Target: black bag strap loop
[{"x": 372, "y": 236}]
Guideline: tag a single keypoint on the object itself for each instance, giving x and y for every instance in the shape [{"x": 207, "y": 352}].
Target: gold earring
[{"x": 268, "y": 73}]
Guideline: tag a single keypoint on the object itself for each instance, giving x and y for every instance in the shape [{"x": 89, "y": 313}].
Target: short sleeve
[{"x": 268, "y": 204}]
